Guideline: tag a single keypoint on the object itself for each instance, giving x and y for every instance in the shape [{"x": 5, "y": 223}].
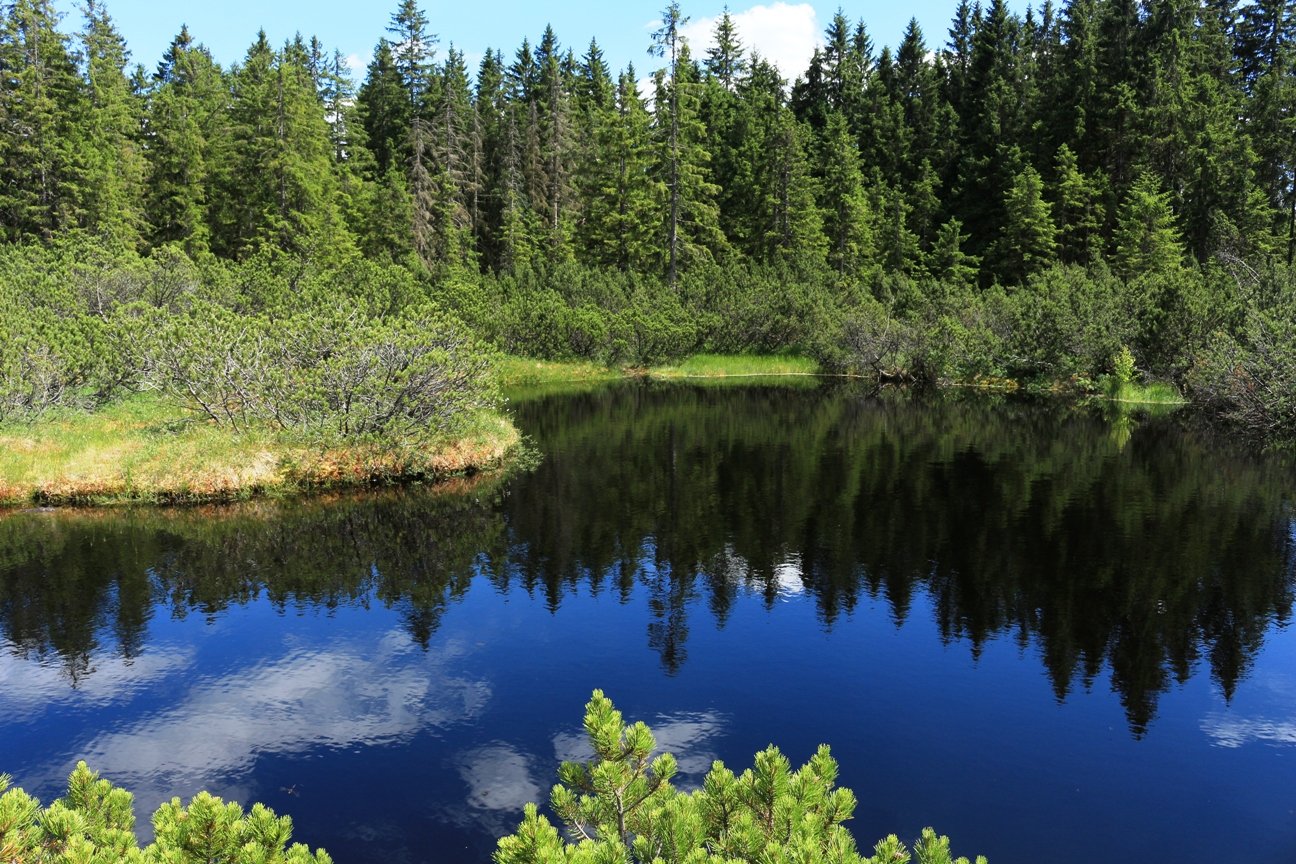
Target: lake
[{"x": 1049, "y": 632}]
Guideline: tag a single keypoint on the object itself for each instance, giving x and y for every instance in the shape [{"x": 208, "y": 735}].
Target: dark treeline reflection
[
  {"x": 82, "y": 582},
  {"x": 1137, "y": 547},
  {"x": 1140, "y": 546}
]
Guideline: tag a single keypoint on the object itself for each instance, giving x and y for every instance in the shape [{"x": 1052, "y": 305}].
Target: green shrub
[
  {"x": 95, "y": 822},
  {"x": 621, "y": 806},
  {"x": 332, "y": 375},
  {"x": 1247, "y": 374},
  {"x": 1064, "y": 321}
]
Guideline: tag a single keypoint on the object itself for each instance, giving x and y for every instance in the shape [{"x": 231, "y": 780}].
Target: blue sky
[{"x": 784, "y": 31}]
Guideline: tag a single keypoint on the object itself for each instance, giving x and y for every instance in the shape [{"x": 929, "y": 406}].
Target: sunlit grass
[
  {"x": 144, "y": 448},
  {"x": 1153, "y": 393},
  {"x": 737, "y": 365},
  {"x": 524, "y": 379},
  {"x": 524, "y": 372}
]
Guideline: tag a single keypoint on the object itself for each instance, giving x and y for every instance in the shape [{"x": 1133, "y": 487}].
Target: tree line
[
  {"x": 1140, "y": 153},
  {"x": 1145, "y": 133}
]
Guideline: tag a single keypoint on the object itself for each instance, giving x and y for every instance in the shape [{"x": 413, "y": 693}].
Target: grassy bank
[
  {"x": 144, "y": 449},
  {"x": 1155, "y": 393},
  {"x": 519, "y": 372}
]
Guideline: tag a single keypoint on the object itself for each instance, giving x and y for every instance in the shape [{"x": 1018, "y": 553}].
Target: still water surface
[{"x": 1053, "y": 635}]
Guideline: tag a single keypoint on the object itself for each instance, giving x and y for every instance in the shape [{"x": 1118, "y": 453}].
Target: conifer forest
[{"x": 1037, "y": 197}]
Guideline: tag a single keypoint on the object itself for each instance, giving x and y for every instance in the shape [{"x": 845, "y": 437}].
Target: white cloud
[
  {"x": 352, "y": 693},
  {"x": 27, "y": 687},
  {"x": 1233, "y": 732},
  {"x": 688, "y": 737},
  {"x": 499, "y": 777},
  {"x": 785, "y": 34}
]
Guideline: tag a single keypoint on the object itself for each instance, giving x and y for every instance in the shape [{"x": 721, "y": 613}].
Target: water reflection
[
  {"x": 355, "y": 692},
  {"x": 1147, "y": 555}
]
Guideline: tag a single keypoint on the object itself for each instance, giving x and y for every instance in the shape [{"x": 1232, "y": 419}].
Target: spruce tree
[
  {"x": 621, "y": 201},
  {"x": 990, "y": 126},
  {"x": 113, "y": 163},
  {"x": 556, "y": 141},
  {"x": 726, "y": 60},
  {"x": 771, "y": 206},
  {"x": 1079, "y": 210},
  {"x": 1029, "y": 239},
  {"x": 384, "y": 110},
  {"x": 414, "y": 53},
  {"x": 188, "y": 142},
  {"x": 692, "y": 222},
  {"x": 457, "y": 155},
  {"x": 1147, "y": 237},
  {"x": 846, "y": 214},
  {"x": 42, "y": 115},
  {"x": 1266, "y": 49},
  {"x": 947, "y": 262}
]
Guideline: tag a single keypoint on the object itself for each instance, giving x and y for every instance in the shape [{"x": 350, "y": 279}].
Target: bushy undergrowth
[
  {"x": 359, "y": 349},
  {"x": 359, "y": 353},
  {"x": 95, "y": 824},
  {"x": 621, "y": 805},
  {"x": 1248, "y": 374},
  {"x": 331, "y": 374}
]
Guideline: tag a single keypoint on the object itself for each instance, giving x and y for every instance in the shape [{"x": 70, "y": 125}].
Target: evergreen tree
[
  {"x": 414, "y": 53},
  {"x": 42, "y": 116},
  {"x": 1029, "y": 239},
  {"x": 1112, "y": 134},
  {"x": 458, "y": 160},
  {"x": 726, "y": 60},
  {"x": 113, "y": 166},
  {"x": 847, "y": 221},
  {"x": 692, "y": 230},
  {"x": 771, "y": 207},
  {"x": 1193, "y": 140},
  {"x": 556, "y": 143},
  {"x": 1266, "y": 49},
  {"x": 947, "y": 262},
  {"x": 280, "y": 192},
  {"x": 1147, "y": 238},
  {"x": 990, "y": 124},
  {"x": 384, "y": 110},
  {"x": 622, "y": 202},
  {"x": 1079, "y": 209},
  {"x": 187, "y": 143}
]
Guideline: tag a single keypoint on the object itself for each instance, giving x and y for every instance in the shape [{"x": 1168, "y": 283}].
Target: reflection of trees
[
  {"x": 69, "y": 582},
  {"x": 1148, "y": 557},
  {"x": 1145, "y": 556}
]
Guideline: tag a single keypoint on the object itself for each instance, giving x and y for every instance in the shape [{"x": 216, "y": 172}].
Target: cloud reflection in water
[{"x": 348, "y": 693}]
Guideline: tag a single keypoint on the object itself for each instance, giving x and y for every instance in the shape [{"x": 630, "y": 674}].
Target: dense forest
[{"x": 1025, "y": 196}]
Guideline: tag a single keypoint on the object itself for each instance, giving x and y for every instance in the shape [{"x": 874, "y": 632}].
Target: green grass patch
[
  {"x": 1153, "y": 393},
  {"x": 515, "y": 372},
  {"x": 146, "y": 449},
  {"x": 523, "y": 379},
  {"x": 737, "y": 365}
]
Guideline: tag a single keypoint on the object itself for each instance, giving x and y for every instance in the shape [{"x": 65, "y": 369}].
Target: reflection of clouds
[
  {"x": 27, "y": 686},
  {"x": 499, "y": 778},
  {"x": 1233, "y": 732},
  {"x": 686, "y": 736},
  {"x": 788, "y": 576},
  {"x": 342, "y": 695}
]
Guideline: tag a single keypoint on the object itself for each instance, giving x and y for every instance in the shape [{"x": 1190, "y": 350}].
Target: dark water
[{"x": 1054, "y": 636}]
